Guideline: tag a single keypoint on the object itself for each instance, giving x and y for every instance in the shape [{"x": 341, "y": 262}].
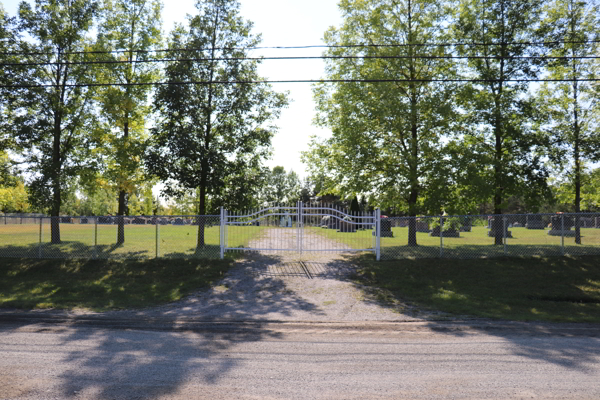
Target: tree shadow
[
  {"x": 249, "y": 291},
  {"x": 146, "y": 362},
  {"x": 555, "y": 292}
]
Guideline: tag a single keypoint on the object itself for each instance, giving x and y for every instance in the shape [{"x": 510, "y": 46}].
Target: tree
[
  {"x": 208, "y": 131},
  {"x": 131, "y": 28},
  {"x": 501, "y": 133},
  {"x": 386, "y": 136},
  {"x": 281, "y": 187},
  {"x": 52, "y": 123},
  {"x": 570, "y": 105}
]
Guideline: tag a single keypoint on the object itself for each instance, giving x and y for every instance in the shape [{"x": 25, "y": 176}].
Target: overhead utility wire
[
  {"x": 158, "y": 60},
  {"x": 323, "y": 46},
  {"x": 298, "y": 81}
]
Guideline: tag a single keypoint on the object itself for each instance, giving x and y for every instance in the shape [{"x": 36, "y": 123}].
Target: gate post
[
  {"x": 299, "y": 227},
  {"x": 222, "y": 236},
  {"x": 378, "y": 234}
]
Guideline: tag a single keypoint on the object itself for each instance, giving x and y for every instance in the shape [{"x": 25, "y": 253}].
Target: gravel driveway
[{"x": 288, "y": 286}]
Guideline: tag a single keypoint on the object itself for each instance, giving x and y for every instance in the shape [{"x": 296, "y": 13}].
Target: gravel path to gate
[{"x": 313, "y": 286}]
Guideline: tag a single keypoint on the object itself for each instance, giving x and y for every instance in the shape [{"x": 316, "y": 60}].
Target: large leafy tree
[
  {"x": 386, "y": 135},
  {"x": 52, "y": 122},
  {"x": 208, "y": 132},
  {"x": 570, "y": 105},
  {"x": 130, "y": 29},
  {"x": 501, "y": 133}
]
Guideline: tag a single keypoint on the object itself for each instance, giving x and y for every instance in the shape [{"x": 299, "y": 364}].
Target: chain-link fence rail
[
  {"x": 98, "y": 237},
  {"x": 482, "y": 236}
]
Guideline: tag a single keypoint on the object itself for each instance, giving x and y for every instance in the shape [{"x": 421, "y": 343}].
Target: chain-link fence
[
  {"x": 463, "y": 236},
  {"x": 110, "y": 237},
  {"x": 481, "y": 236}
]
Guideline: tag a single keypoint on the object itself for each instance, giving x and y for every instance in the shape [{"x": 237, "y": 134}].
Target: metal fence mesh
[
  {"x": 483, "y": 236},
  {"x": 465, "y": 236},
  {"x": 98, "y": 237}
]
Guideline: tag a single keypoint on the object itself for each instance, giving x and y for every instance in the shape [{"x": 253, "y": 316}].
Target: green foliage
[
  {"x": 386, "y": 136},
  {"x": 281, "y": 187},
  {"x": 132, "y": 27},
  {"x": 212, "y": 136},
  {"x": 570, "y": 108},
  {"x": 506, "y": 153},
  {"x": 50, "y": 125}
]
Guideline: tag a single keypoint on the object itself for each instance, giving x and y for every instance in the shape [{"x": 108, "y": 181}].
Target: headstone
[
  {"x": 586, "y": 222},
  {"x": 561, "y": 226},
  {"x": 286, "y": 221},
  {"x": 139, "y": 221},
  {"x": 534, "y": 221},
  {"x": 450, "y": 232},
  {"x": 66, "y": 220},
  {"x": 385, "y": 228},
  {"x": 516, "y": 225},
  {"x": 423, "y": 226},
  {"x": 163, "y": 221},
  {"x": 178, "y": 221},
  {"x": 347, "y": 226},
  {"x": 499, "y": 222},
  {"x": 105, "y": 220},
  {"x": 466, "y": 224}
]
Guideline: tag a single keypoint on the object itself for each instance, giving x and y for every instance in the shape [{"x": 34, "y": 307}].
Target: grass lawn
[
  {"x": 102, "y": 285},
  {"x": 140, "y": 241},
  {"x": 557, "y": 289},
  {"x": 474, "y": 244}
]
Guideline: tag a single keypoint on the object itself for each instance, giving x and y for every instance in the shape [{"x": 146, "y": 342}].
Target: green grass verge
[
  {"x": 140, "y": 241},
  {"x": 102, "y": 285},
  {"x": 557, "y": 289}
]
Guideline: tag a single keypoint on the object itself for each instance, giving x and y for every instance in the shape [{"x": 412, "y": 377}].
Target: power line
[
  {"x": 325, "y": 46},
  {"x": 158, "y": 60},
  {"x": 238, "y": 82}
]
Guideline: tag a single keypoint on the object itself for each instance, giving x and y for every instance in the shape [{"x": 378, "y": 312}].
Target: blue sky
[{"x": 281, "y": 23}]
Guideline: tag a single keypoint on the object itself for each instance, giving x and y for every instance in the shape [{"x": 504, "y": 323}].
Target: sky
[{"x": 281, "y": 23}]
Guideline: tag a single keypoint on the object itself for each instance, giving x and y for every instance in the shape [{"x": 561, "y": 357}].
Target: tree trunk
[
  {"x": 576, "y": 152},
  {"x": 122, "y": 196},
  {"x": 414, "y": 142},
  {"x": 202, "y": 211},
  {"x": 56, "y": 171}
]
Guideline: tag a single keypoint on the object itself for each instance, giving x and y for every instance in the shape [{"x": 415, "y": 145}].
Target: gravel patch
[{"x": 289, "y": 286}]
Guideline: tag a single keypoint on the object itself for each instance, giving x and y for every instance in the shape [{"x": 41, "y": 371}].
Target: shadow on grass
[
  {"x": 533, "y": 289},
  {"x": 72, "y": 249},
  {"x": 466, "y": 251},
  {"x": 104, "y": 362}
]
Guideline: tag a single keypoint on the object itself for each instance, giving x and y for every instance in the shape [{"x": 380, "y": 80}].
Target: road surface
[{"x": 104, "y": 359}]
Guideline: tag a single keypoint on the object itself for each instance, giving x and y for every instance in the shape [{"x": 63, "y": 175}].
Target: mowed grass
[
  {"x": 102, "y": 285},
  {"x": 557, "y": 289},
  {"x": 78, "y": 241},
  {"x": 474, "y": 244}
]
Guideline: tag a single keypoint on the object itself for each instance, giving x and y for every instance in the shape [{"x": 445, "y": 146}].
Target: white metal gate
[{"x": 300, "y": 228}]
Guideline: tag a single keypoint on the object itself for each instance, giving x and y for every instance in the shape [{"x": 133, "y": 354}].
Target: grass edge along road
[
  {"x": 102, "y": 285},
  {"x": 558, "y": 289},
  {"x": 553, "y": 289}
]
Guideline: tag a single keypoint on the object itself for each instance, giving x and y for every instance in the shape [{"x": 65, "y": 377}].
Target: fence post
[
  {"x": 504, "y": 232},
  {"x": 441, "y": 236},
  {"x": 40, "y": 244},
  {"x": 378, "y": 234},
  {"x": 222, "y": 236},
  {"x": 157, "y": 238},
  {"x": 95, "y": 238},
  {"x": 562, "y": 234}
]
